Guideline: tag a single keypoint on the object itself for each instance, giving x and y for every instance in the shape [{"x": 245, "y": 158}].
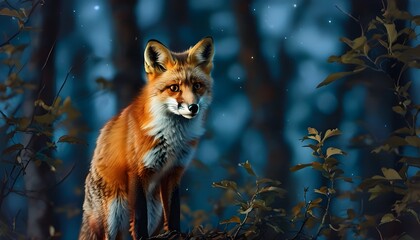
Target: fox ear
[
  {"x": 202, "y": 54},
  {"x": 156, "y": 57}
]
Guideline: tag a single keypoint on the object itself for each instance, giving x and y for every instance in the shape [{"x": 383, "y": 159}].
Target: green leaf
[
  {"x": 393, "y": 13},
  {"x": 331, "y": 133},
  {"x": 414, "y": 213},
  {"x": 334, "y": 76},
  {"x": 104, "y": 83},
  {"x": 71, "y": 112},
  {"x": 268, "y": 180},
  {"x": 248, "y": 168},
  {"x": 359, "y": 42},
  {"x": 392, "y": 33},
  {"x": 403, "y": 130},
  {"x": 323, "y": 190},
  {"x": 41, "y": 103},
  {"x": 413, "y": 141},
  {"x": 346, "y": 179},
  {"x": 234, "y": 219},
  {"x": 71, "y": 139},
  {"x": 390, "y": 144},
  {"x": 226, "y": 184},
  {"x": 356, "y": 44},
  {"x": 260, "y": 204},
  {"x": 399, "y": 110},
  {"x": 318, "y": 166},
  {"x": 314, "y": 137},
  {"x": 372, "y": 24},
  {"x": 376, "y": 191},
  {"x": 331, "y": 161},
  {"x": 23, "y": 123},
  {"x": 411, "y": 161},
  {"x": 416, "y": 19},
  {"x": 13, "y": 148},
  {"x": 297, "y": 209},
  {"x": 334, "y": 151},
  {"x": 316, "y": 201},
  {"x": 278, "y": 190},
  {"x": 11, "y": 13},
  {"x": 333, "y": 58},
  {"x": 352, "y": 57},
  {"x": 373, "y": 181},
  {"x": 391, "y": 174},
  {"x": 46, "y": 119},
  {"x": 10, "y": 49},
  {"x": 314, "y": 148},
  {"x": 366, "y": 49},
  {"x": 312, "y": 131},
  {"x": 389, "y": 217},
  {"x": 300, "y": 166}
]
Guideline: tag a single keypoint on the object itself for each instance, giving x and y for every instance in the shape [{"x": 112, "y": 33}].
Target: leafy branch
[
  {"x": 253, "y": 203},
  {"x": 386, "y": 49},
  {"x": 328, "y": 165}
]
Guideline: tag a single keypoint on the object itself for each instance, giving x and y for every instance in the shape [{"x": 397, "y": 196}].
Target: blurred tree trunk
[
  {"x": 267, "y": 95},
  {"x": 177, "y": 24},
  {"x": 39, "y": 178},
  {"x": 127, "y": 56}
]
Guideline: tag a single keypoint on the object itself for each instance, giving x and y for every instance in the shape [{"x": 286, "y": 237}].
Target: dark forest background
[{"x": 86, "y": 57}]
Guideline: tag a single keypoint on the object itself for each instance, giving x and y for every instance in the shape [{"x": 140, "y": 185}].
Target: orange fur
[{"x": 141, "y": 153}]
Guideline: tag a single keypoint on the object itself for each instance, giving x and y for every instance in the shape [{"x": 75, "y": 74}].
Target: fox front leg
[
  {"x": 171, "y": 199},
  {"x": 140, "y": 217},
  {"x": 138, "y": 213},
  {"x": 175, "y": 211}
]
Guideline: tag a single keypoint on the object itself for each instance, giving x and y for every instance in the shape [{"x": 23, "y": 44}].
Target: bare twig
[
  {"x": 241, "y": 225},
  {"x": 49, "y": 54},
  {"x": 10, "y": 5},
  {"x": 383, "y": 5},
  {"x": 243, "y": 222},
  {"x": 327, "y": 209},
  {"x": 300, "y": 231},
  {"x": 352, "y": 17},
  {"x": 31, "y": 11},
  {"x": 379, "y": 232},
  {"x": 67, "y": 76},
  {"x": 26, "y": 148}
]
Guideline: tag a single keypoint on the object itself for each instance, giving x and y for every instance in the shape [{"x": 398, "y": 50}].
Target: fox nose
[{"x": 193, "y": 108}]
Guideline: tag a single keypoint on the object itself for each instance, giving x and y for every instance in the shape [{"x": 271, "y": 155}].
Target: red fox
[{"x": 133, "y": 182}]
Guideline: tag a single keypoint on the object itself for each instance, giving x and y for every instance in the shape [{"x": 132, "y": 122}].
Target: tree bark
[
  {"x": 127, "y": 56},
  {"x": 267, "y": 95}
]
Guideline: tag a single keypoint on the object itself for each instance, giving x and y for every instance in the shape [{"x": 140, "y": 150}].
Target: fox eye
[
  {"x": 174, "y": 88},
  {"x": 197, "y": 86}
]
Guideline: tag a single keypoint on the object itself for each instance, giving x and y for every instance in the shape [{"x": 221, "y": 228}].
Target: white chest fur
[{"x": 174, "y": 134}]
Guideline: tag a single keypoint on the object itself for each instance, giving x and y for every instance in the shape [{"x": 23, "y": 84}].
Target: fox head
[{"x": 179, "y": 83}]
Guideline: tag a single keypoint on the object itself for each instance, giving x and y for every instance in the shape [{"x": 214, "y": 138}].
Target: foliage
[
  {"x": 327, "y": 164},
  {"x": 255, "y": 205},
  {"x": 25, "y": 119},
  {"x": 384, "y": 50}
]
